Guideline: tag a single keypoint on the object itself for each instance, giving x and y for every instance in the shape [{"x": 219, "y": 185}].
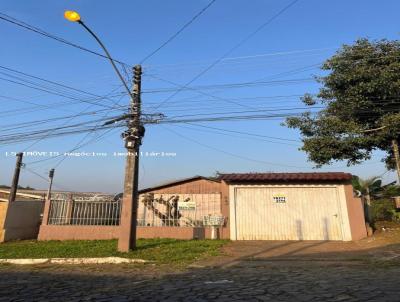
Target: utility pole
[
  {"x": 14, "y": 185},
  {"x": 51, "y": 176},
  {"x": 395, "y": 147},
  {"x": 133, "y": 140}
]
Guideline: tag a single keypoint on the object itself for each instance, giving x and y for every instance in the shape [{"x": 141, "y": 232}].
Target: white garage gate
[{"x": 288, "y": 213}]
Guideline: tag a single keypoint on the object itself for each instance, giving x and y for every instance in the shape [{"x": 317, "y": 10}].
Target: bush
[
  {"x": 383, "y": 210},
  {"x": 396, "y": 216}
]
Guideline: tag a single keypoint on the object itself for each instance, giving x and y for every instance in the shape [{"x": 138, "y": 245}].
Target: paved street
[
  {"x": 366, "y": 270},
  {"x": 257, "y": 280}
]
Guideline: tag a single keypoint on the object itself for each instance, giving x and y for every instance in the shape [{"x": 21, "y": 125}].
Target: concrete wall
[
  {"x": 78, "y": 232},
  {"x": 73, "y": 232},
  {"x": 356, "y": 214},
  {"x": 21, "y": 220}
]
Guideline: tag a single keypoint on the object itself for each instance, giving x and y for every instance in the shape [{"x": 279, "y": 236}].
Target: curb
[{"x": 104, "y": 260}]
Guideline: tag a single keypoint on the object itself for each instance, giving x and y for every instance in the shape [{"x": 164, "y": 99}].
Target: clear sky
[{"x": 288, "y": 48}]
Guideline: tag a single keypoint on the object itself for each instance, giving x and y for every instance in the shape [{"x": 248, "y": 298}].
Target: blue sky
[{"x": 305, "y": 35}]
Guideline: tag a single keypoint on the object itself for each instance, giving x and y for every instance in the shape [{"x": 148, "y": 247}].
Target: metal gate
[{"x": 287, "y": 213}]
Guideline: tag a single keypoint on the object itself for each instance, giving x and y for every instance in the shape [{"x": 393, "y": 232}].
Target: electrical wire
[
  {"x": 246, "y": 133},
  {"x": 56, "y": 83},
  {"x": 230, "y": 153},
  {"x": 237, "y": 136},
  {"x": 248, "y": 37},
  {"x": 39, "y": 31},
  {"x": 231, "y": 85},
  {"x": 186, "y": 25}
]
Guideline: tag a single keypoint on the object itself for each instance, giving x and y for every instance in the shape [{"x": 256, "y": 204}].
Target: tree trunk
[{"x": 368, "y": 206}]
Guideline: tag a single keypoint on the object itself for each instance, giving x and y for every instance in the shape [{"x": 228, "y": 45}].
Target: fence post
[
  {"x": 46, "y": 210},
  {"x": 70, "y": 206}
]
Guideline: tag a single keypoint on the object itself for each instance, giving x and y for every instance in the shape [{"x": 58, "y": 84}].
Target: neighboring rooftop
[{"x": 313, "y": 176}]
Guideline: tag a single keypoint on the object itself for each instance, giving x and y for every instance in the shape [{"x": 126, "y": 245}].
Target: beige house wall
[
  {"x": 21, "y": 220},
  {"x": 3, "y": 212},
  {"x": 356, "y": 214}
]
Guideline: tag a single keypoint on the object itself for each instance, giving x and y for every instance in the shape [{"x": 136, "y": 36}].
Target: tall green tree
[{"x": 360, "y": 92}]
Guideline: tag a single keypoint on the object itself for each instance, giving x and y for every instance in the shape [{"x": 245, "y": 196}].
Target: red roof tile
[{"x": 262, "y": 177}]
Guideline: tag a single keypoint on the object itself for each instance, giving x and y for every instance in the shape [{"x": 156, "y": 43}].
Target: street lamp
[
  {"x": 73, "y": 16},
  {"x": 133, "y": 139}
]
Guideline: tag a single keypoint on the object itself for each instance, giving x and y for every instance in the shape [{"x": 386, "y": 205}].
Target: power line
[
  {"x": 44, "y": 178},
  {"x": 94, "y": 140},
  {"x": 50, "y": 89},
  {"x": 55, "y": 83},
  {"x": 33, "y": 123},
  {"x": 232, "y": 85},
  {"x": 39, "y": 31},
  {"x": 198, "y": 91},
  {"x": 230, "y": 153},
  {"x": 245, "y": 133},
  {"x": 238, "y": 136},
  {"x": 248, "y": 111},
  {"x": 234, "y": 118},
  {"x": 178, "y": 32},
  {"x": 351, "y": 58},
  {"x": 245, "y": 57},
  {"x": 231, "y": 50},
  {"x": 54, "y": 93},
  {"x": 79, "y": 144}
]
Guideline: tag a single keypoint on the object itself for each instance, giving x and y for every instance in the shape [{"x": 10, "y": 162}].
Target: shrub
[
  {"x": 383, "y": 210},
  {"x": 396, "y": 216}
]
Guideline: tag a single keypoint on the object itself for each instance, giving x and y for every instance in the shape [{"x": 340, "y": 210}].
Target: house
[
  {"x": 247, "y": 206},
  {"x": 294, "y": 206},
  {"x": 262, "y": 206}
]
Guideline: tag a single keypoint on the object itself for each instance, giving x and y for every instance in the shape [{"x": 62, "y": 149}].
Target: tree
[
  {"x": 369, "y": 188},
  {"x": 360, "y": 93}
]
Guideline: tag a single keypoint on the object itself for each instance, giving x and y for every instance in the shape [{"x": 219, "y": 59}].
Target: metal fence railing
[
  {"x": 177, "y": 210},
  {"x": 84, "y": 212},
  {"x": 154, "y": 210}
]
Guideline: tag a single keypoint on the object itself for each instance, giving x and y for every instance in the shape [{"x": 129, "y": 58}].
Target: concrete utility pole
[
  {"x": 51, "y": 176},
  {"x": 14, "y": 185},
  {"x": 133, "y": 140},
  {"x": 395, "y": 147}
]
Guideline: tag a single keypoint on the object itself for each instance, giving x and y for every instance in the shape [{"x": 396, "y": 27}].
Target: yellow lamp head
[{"x": 72, "y": 16}]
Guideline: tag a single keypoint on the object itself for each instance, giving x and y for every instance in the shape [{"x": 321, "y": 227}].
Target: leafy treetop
[{"x": 360, "y": 92}]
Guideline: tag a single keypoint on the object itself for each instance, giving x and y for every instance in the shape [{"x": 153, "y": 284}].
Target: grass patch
[{"x": 162, "y": 251}]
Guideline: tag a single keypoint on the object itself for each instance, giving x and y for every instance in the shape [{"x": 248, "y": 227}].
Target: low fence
[
  {"x": 84, "y": 212},
  {"x": 178, "y": 216},
  {"x": 177, "y": 210}
]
